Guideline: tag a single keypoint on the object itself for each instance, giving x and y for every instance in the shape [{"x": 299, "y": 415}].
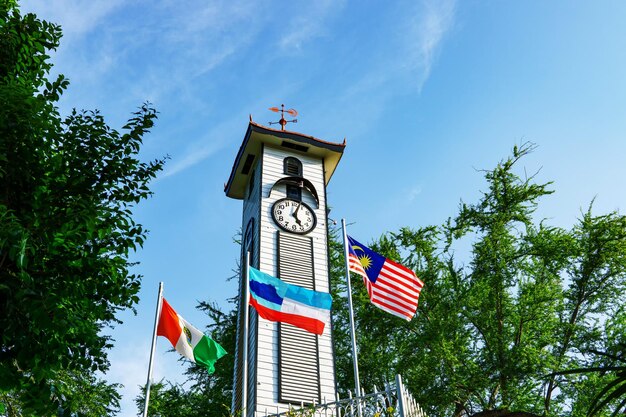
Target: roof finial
[{"x": 282, "y": 122}]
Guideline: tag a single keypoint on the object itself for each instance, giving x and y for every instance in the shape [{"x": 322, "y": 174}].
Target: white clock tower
[{"x": 281, "y": 176}]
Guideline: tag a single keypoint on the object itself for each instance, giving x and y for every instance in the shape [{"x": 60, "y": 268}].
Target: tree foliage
[
  {"x": 97, "y": 397},
  {"x": 508, "y": 303},
  {"x": 67, "y": 188}
]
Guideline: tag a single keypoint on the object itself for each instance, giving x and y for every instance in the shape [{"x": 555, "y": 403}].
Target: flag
[
  {"x": 275, "y": 300},
  {"x": 391, "y": 287},
  {"x": 187, "y": 340}
]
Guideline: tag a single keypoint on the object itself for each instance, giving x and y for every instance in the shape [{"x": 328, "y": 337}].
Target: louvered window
[
  {"x": 292, "y": 167},
  {"x": 299, "y": 378}
]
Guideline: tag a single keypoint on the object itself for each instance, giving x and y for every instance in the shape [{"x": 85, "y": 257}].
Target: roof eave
[{"x": 329, "y": 151}]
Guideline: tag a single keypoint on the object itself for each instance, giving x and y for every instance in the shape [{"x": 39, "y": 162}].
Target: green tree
[
  {"x": 67, "y": 188},
  {"x": 491, "y": 333},
  {"x": 169, "y": 400},
  {"x": 596, "y": 273}
]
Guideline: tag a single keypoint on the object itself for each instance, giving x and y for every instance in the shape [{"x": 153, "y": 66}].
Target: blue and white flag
[{"x": 275, "y": 300}]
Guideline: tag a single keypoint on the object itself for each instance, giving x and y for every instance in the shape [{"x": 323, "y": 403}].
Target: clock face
[{"x": 293, "y": 216}]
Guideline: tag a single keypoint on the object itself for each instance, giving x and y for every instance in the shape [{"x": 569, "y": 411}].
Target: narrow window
[
  {"x": 248, "y": 242},
  {"x": 294, "y": 192}
]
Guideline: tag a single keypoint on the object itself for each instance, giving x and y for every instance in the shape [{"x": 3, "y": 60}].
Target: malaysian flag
[{"x": 391, "y": 286}]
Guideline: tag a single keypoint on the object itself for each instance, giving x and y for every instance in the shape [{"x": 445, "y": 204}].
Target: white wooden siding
[
  {"x": 267, "y": 337},
  {"x": 251, "y": 206}
]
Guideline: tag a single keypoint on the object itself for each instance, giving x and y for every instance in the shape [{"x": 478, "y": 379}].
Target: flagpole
[
  {"x": 357, "y": 384},
  {"x": 246, "y": 310},
  {"x": 154, "y": 337}
]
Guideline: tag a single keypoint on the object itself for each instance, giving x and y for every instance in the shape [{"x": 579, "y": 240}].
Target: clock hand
[{"x": 295, "y": 215}]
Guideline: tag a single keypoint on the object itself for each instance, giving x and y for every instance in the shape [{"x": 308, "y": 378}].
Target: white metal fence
[{"x": 393, "y": 401}]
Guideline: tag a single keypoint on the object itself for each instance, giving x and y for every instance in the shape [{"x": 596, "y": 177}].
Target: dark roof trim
[
  {"x": 298, "y": 137},
  {"x": 239, "y": 155}
]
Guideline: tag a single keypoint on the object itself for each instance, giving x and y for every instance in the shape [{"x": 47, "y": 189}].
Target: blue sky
[{"x": 426, "y": 94}]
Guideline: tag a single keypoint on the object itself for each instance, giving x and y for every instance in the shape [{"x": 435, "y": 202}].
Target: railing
[{"x": 393, "y": 401}]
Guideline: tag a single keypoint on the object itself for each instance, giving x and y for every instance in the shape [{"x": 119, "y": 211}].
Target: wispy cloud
[
  {"x": 77, "y": 17},
  {"x": 309, "y": 24},
  {"x": 196, "y": 153},
  {"x": 411, "y": 50},
  {"x": 161, "y": 53},
  {"x": 201, "y": 38},
  {"x": 402, "y": 65},
  {"x": 412, "y": 194},
  {"x": 425, "y": 31}
]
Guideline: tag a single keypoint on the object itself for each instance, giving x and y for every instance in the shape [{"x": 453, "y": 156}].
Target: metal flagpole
[
  {"x": 246, "y": 311},
  {"x": 357, "y": 384},
  {"x": 154, "y": 337}
]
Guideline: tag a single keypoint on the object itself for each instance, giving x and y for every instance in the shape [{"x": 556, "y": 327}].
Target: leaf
[{"x": 65, "y": 227}]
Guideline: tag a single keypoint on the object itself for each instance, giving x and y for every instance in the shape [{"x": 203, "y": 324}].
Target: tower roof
[{"x": 258, "y": 135}]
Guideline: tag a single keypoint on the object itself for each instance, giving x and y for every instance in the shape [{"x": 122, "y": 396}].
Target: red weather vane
[{"x": 282, "y": 122}]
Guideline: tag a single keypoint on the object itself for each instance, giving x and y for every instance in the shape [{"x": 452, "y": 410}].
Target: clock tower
[{"x": 281, "y": 176}]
